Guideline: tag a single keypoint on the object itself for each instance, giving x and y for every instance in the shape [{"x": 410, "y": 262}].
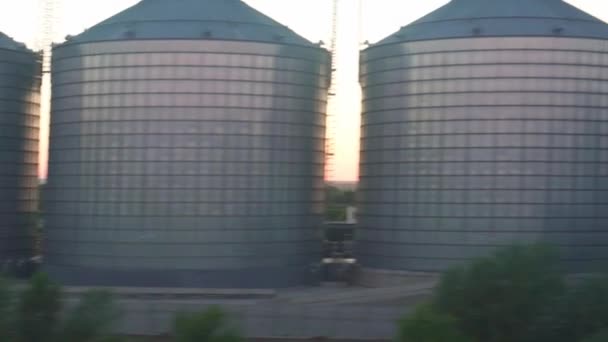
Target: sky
[{"x": 360, "y": 21}]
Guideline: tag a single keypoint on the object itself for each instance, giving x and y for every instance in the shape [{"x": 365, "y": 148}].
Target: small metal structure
[
  {"x": 338, "y": 240},
  {"x": 20, "y": 71},
  {"x": 187, "y": 149},
  {"x": 48, "y": 21},
  {"x": 485, "y": 124},
  {"x": 330, "y": 121}
]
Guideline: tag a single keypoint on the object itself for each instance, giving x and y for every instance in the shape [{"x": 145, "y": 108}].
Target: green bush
[
  {"x": 91, "y": 319},
  {"x": 427, "y": 325},
  {"x": 7, "y": 314},
  {"x": 337, "y": 200},
  {"x": 496, "y": 298},
  {"x": 516, "y": 295},
  {"x": 35, "y": 314},
  {"x": 599, "y": 337},
  {"x": 208, "y": 326},
  {"x": 38, "y": 310},
  {"x": 580, "y": 312},
  {"x": 335, "y": 213}
]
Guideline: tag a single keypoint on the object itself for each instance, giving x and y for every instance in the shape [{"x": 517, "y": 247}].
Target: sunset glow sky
[{"x": 310, "y": 18}]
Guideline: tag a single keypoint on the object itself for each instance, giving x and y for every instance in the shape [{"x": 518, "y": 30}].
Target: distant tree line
[{"x": 337, "y": 200}]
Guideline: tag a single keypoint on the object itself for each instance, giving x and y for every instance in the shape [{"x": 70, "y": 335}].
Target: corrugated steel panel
[
  {"x": 19, "y": 129},
  {"x": 186, "y": 162},
  {"x": 470, "y": 144}
]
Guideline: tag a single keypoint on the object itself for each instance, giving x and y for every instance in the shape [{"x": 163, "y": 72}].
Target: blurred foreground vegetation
[
  {"x": 38, "y": 313},
  {"x": 517, "y": 295}
]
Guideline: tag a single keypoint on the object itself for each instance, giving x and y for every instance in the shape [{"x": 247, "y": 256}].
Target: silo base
[
  {"x": 262, "y": 278},
  {"x": 370, "y": 277}
]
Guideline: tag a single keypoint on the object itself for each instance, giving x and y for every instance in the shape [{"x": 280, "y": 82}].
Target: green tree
[
  {"x": 38, "y": 315},
  {"x": 337, "y": 200},
  {"x": 7, "y": 308},
  {"x": 579, "y": 313},
  {"x": 208, "y": 326},
  {"x": 599, "y": 337},
  {"x": 496, "y": 298},
  {"x": 91, "y": 319},
  {"x": 335, "y": 213},
  {"x": 427, "y": 325},
  {"x": 335, "y": 195},
  {"x": 38, "y": 310}
]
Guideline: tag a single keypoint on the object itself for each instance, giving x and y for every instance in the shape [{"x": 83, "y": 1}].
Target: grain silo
[
  {"x": 20, "y": 71},
  {"x": 187, "y": 148},
  {"x": 485, "y": 124}
]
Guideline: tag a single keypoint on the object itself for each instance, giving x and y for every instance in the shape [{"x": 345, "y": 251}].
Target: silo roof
[
  {"x": 191, "y": 19},
  {"x": 7, "y": 42},
  {"x": 492, "y": 18}
]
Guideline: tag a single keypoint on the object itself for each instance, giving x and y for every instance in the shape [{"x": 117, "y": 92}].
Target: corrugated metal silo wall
[
  {"x": 19, "y": 130},
  {"x": 472, "y": 144},
  {"x": 186, "y": 163}
]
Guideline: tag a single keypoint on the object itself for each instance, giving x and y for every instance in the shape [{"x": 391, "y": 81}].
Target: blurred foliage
[
  {"x": 335, "y": 195},
  {"x": 208, "y": 326},
  {"x": 335, "y": 213},
  {"x": 337, "y": 200},
  {"x": 94, "y": 316},
  {"x": 427, "y": 325},
  {"x": 38, "y": 310},
  {"x": 581, "y": 312},
  {"x": 7, "y": 317},
  {"x": 36, "y": 314},
  {"x": 598, "y": 337},
  {"x": 516, "y": 295},
  {"x": 496, "y": 298},
  {"x": 41, "y": 196}
]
